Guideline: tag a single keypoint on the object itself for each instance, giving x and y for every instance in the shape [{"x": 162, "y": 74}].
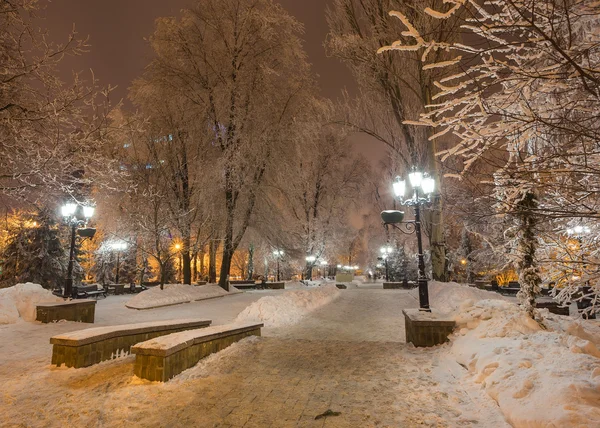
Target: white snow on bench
[
  {"x": 96, "y": 334},
  {"x": 169, "y": 344}
]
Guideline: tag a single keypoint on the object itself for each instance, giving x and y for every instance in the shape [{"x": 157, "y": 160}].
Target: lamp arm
[{"x": 406, "y": 227}]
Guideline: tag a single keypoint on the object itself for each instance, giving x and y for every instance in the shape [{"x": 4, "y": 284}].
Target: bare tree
[
  {"x": 525, "y": 101},
  {"x": 394, "y": 89},
  {"x": 241, "y": 66},
  {"x": 51, "y": 133}
]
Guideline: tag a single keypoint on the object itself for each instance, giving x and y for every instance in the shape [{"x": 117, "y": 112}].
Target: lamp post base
[{"x": 423, "y": 296}]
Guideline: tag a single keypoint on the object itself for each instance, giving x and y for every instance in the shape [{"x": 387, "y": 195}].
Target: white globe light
[
  {"x": 68, "y": 209},
  {"x": 428, "y": 185},
  {"x": 399, "y": 187},
  {"x": 415, "y": 178},
  {"x": 88, "y": 212}
]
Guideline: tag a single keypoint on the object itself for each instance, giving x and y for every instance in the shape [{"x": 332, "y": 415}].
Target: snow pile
[
  {"x": 174, "y": 294},
  {"x": 446, "y": 297},
  {"x": 19, "y": 301},
  {"x": 219, "y": 363},
  {"x": 288, "y": 308},
  {"x": 539, "y": 375},
  {"x": 295, "y": 285}
]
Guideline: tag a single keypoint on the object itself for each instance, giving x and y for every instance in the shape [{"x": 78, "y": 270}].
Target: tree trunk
[
  {"x": 225, "y": 267},
  {"x": 212, "y": 261},
  {"x": 250, "y": 262},
  {"x": 186, "y": 260},
  {"x": 227, "y": 244},
  {"x": 163, "y": 274},
  {"x": 194, "y": 266},
  {"x": 202, "y": 267}
]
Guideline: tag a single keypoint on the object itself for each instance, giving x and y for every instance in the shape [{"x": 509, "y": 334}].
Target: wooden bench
[
  {"x": 87, "y": 291},
  {"x": 84, "y": 348},
  {"x": 165, "y": 357},
  {"x": 73, "y": 310},
  {"x": 116, "y": 289}
]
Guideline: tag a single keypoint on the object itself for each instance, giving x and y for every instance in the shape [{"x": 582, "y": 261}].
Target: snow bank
[
  {"x": 174, "y": 294},
  {"x": 19, "y": 301},
  {"x": 446, "y": 297},
  {"x": 222, "y": 362},
  {"x": 289, "y": 307},
  {"x": 540, "y": 376}
]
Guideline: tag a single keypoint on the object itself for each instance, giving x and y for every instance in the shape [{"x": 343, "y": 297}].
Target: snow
[
  {"x": 174, "y": 294},
  {"x": 171, "y": 340},
  {"x": 115, "y": 330},
  {"x": 499, "y": 365},
  {"x": 288, "y": 308},
  {"x": 446, "y": 297},
  {"x": 18, "y": 302},
  {"x": 540, "y": 375}
]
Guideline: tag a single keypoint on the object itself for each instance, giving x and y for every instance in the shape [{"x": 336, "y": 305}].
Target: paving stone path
[{"x": 347, "y": 357}]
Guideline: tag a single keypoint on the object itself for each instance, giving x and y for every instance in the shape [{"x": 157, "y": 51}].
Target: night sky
[
  {"x": 116, "y": 30},
  {"x": 119, "y": 53}
]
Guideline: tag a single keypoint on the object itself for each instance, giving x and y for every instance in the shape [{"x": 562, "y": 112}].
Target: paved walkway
[{"x": 348, "y": 357}]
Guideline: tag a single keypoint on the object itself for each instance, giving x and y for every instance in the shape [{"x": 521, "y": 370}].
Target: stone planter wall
[
  {"x": 84, "y": 353},
  {"x": 276, "y": 285},
  {"x": 424, "y": 329},
  {"x": 75, "y": 310},
  {"x": 399, "y": 285},
  {"x": 160, "y": 365}
]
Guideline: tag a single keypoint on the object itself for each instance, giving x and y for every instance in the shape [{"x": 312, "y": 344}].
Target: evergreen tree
[{"x": 34, "y": 253}]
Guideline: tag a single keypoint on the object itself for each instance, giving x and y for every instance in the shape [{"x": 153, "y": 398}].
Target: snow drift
[
  {"x": 540, "y": 375},
  {"x": 174, "y": 294},
  {"x": 447, "y": 297},
  {"x": 289, "y": 307},
  {"x": 18, "y": 302}
]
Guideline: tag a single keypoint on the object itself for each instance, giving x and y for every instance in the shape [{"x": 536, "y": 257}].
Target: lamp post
[
  {"x": 578, "y": 232},
  {"x": 278, "y": 255},
  {"x": 385, "y": 254},
  {"x": 74, "y": 215},
  {"x": 118, "y": 246},
  {"x": 323, "y": 263},
  {"x": 309, "y": 266},
  {"x": 422, "y": 185}
]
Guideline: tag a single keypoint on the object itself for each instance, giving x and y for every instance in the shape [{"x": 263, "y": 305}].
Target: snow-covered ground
[
  {"x": 345, "y": 353},
  {"x": 540, "y": 375},
  {"x": 174, "y": 294}
]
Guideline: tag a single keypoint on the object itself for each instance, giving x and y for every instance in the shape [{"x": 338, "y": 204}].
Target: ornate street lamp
[
  {"x": 385, "y": 254},
  {"x": 323, "y": 264},
  {"x": 422, "y": 186},
  {"x": 75, "y": 216},
  {"x": 310, "y": 260},
  {"x": 278, "y": 255},
  {"x": 118, "y": 246}
]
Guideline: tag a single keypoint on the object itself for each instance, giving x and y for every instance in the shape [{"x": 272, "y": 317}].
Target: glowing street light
[
  {"x": 75, "y": 216},
  {"x": 423, "y": 186},
  {"x": 310, "y": 260},
  {"x": 118, "y": 246},
  {"x": 278, "y": 255}
]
